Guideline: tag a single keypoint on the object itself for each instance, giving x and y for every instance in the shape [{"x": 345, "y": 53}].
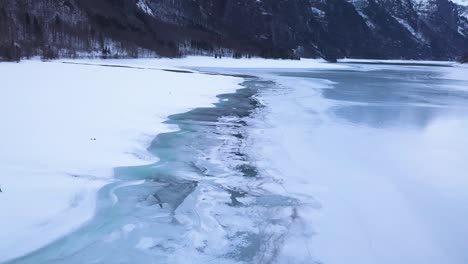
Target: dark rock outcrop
[{"x": 464, "y": 58}]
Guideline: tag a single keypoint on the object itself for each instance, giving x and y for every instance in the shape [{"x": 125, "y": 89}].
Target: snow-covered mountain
[
  {"x": 428, "y": 28},
  {"x": 411, "y": 29},
  {"x": 460, "y": 2}
]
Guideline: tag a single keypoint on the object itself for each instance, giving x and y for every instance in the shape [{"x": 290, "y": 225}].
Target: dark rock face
[
  {"x": 464, "y": 58},
  {"x": 267, "y": 28},
  {"x": 406, "y": 29},
  {"x": 384, "y": 29}
]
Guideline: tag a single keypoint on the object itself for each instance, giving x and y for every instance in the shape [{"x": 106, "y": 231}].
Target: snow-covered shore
[
  {"x": 210, "y": 62},
  {"x": 66, "y": 126},
  {"x": 441, "y": 63}
]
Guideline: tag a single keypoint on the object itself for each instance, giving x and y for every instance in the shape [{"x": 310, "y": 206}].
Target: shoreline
[
  {"x": 88, "y": 83},
  {"x": 130, "y": 153},
  {"x": 124, "y": 67},
  {"x": 166, "y": 189}
]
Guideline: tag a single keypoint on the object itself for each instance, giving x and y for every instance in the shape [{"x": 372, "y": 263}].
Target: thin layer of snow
[
  {"x": 317, "y": 12},
  {"x": 427, "y": 2},
  {"x": 64, "y": 128},
  {"x": 415, "y": 33},
  {"x": 446, "y": 63},
  {"x": 460, "y": 72},
  {"x": 460, "y": 2},
  {"x": 226, "y": 62},
  {"x": 144, "y": 7},
  {"x": 195, "y": 61},
  {"x": 465, "y": 14}
]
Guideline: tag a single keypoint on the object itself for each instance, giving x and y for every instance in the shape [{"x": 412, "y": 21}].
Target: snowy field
[
  {"x": 64, "y": 128},
  {"x": 206, "y": 62}
]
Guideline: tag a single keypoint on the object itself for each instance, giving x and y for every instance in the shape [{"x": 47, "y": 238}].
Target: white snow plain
[
  {"x": 64, "y": 127},
  {"x": 210, "y": 62}
]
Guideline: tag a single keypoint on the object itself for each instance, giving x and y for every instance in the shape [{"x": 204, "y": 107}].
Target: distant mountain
[{"x": 382, "y": 29}]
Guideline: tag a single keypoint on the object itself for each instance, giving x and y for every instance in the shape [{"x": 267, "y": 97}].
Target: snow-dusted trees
[{"x": 51, "y": 28}]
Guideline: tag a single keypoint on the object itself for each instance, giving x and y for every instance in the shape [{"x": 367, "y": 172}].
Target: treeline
[
  {"x": 51, "y": 29},
  {"x": 110, "y": 29}
]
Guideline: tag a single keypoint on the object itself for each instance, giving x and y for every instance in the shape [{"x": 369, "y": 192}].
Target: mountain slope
[{"x": 411, "y": 29}]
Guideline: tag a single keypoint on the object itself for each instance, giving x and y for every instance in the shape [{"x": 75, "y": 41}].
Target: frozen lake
[
  {"x": 364, "y": 164},
  {"x": 382, "y": 150}
]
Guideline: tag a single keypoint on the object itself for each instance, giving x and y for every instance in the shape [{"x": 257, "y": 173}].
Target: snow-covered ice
[
  {"x": 382, "y": 149},
  {"x": 63, "y": 129}
]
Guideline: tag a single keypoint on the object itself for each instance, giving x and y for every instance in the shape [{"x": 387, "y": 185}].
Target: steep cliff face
[
  {"x": 464, "y": 58},
  {"x": 398, "y": 28},
  {"x": 271, "y": 28},
  {"x": 415, "y": 29},
  {"x": 412, "y": 29}
]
